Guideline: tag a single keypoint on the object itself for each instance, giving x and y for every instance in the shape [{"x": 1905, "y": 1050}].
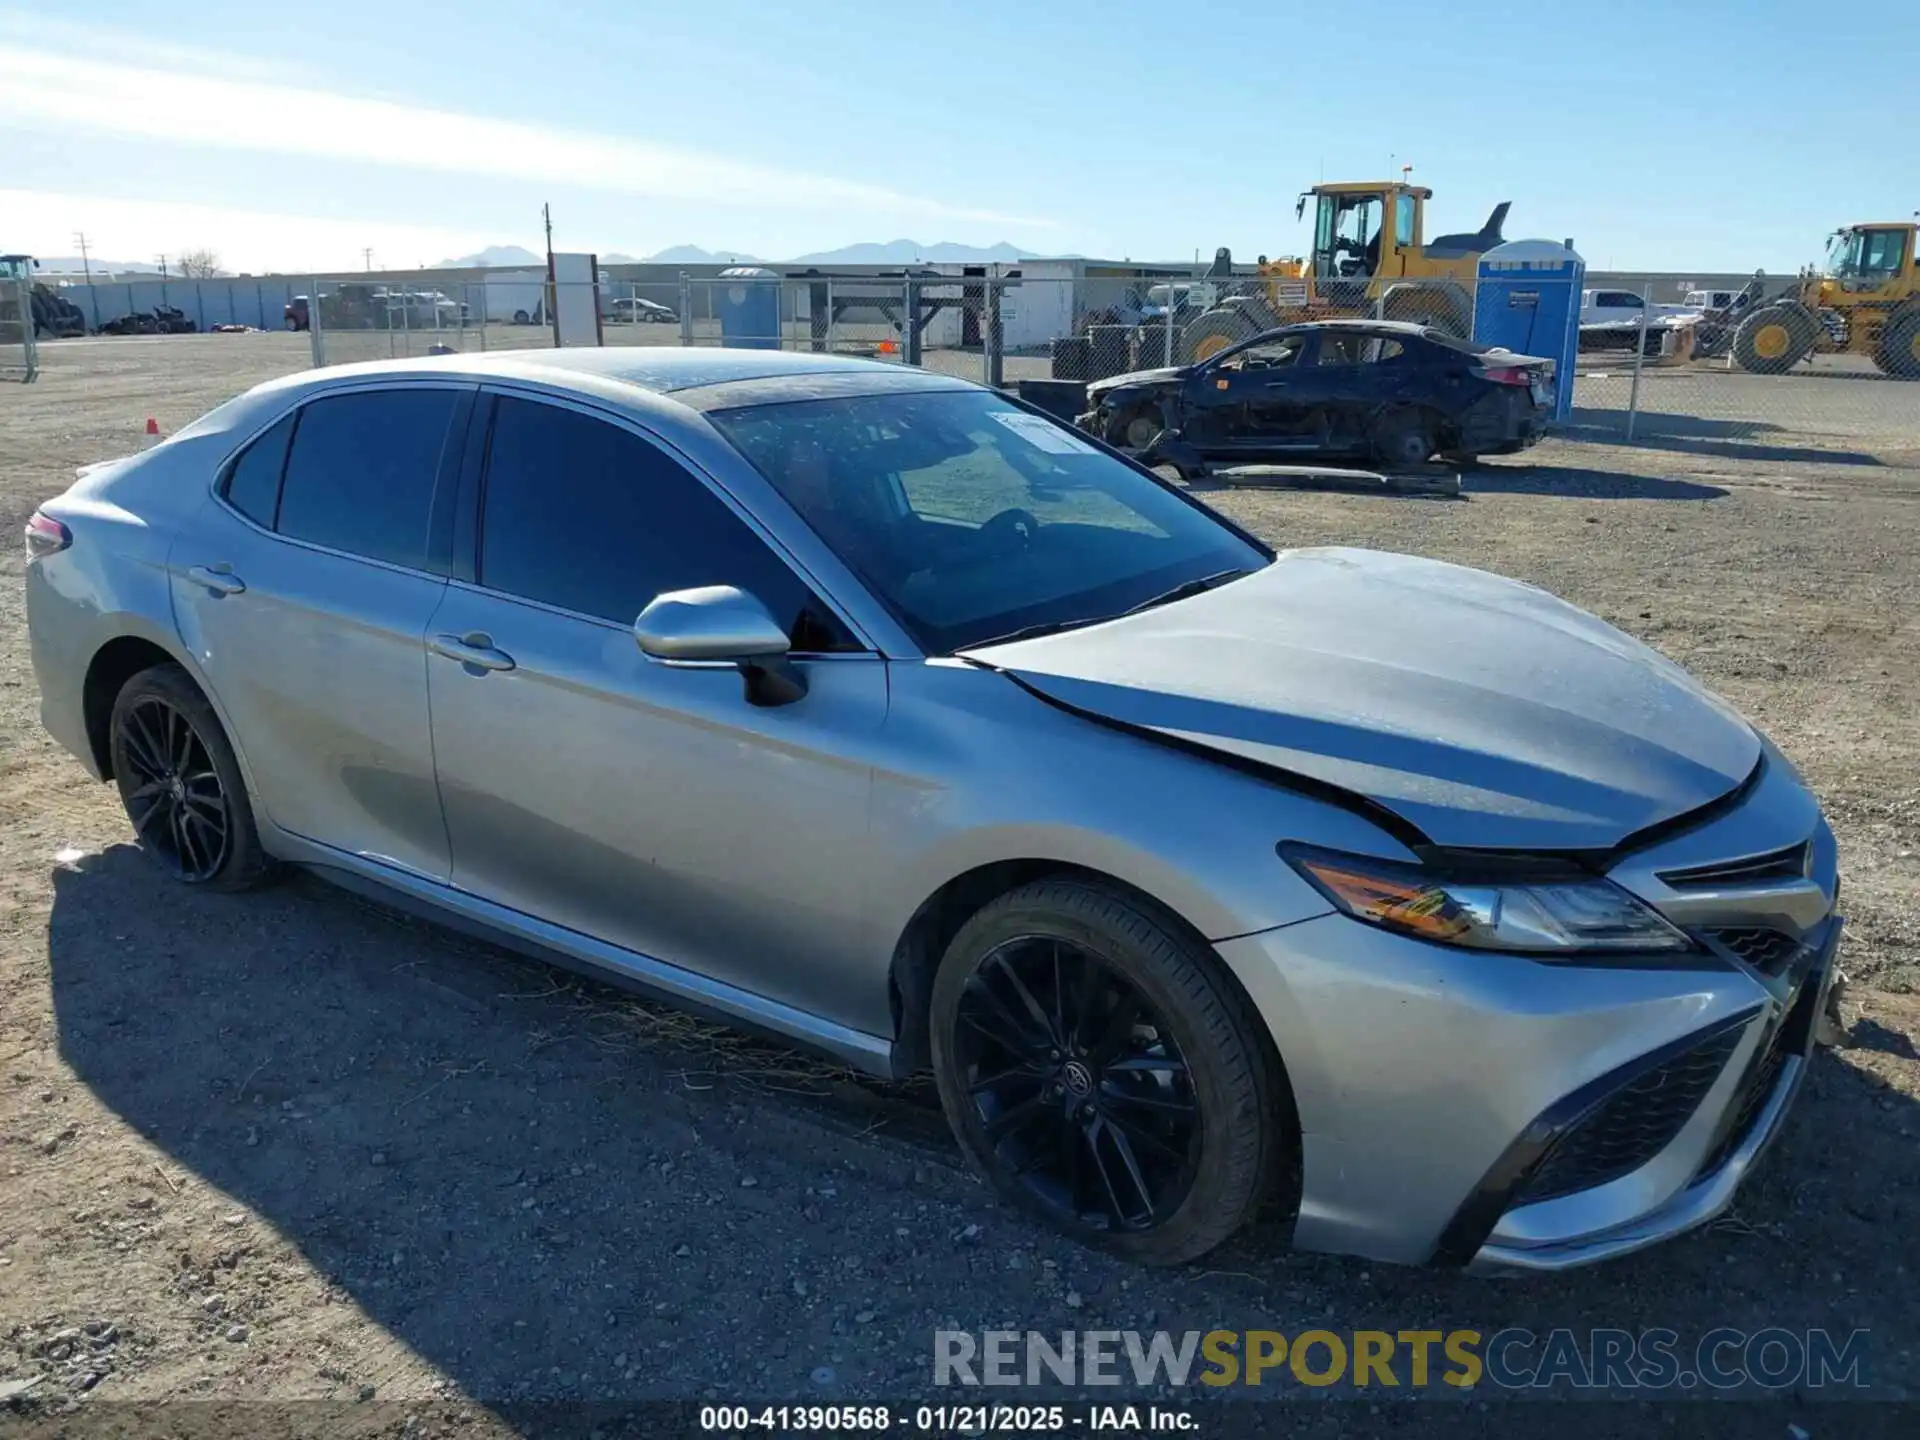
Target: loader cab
[
  {"x": 1866, "y": 257},
  {"x": 1362, "y": 231}
]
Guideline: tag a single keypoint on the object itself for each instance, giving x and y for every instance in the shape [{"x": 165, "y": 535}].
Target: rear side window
[
  {"x": 361, "y": 470},
  {"x": 253, "y": 480},
  {"x": 586, "y": 516}
]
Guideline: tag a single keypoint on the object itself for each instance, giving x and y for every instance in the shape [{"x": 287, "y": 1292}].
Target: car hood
[
  {"x": 1138, "y": 377},
  {"x": 1483, "y": 711}
]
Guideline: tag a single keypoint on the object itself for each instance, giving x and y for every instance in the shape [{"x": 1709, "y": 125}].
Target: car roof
[
  {"x": 701, "y": 378},
  {"x": 1385, "y": 327}
]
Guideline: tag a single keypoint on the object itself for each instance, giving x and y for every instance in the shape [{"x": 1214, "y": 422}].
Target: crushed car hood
[
  {"x": 1483, "y": 711},
  {"x": 1137, "y": 377}
]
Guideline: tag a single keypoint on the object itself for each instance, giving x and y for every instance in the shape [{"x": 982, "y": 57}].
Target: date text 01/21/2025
[{"x": 943, "y": 1419}]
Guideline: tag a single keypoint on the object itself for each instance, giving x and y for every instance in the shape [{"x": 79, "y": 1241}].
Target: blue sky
[{"x": 289, "y": 135}]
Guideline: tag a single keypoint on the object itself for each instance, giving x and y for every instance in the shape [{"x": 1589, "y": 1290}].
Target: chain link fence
[{"x": 1652, "y": 368}]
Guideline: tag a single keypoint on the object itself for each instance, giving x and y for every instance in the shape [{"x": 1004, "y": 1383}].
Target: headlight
[{"x": 1560, "y": 913}]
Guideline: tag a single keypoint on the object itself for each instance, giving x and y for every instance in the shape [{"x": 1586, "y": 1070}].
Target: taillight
[
  {"x": 46, "y": 536},
  {"x": 1506, "y": 374}
]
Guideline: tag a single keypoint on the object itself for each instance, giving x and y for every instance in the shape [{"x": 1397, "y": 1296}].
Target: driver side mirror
[{"x": 721, "y": 625}]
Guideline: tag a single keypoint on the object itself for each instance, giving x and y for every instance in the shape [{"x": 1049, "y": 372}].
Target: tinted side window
[
  {"x": 360, "y": 475},
  {"x": 253, "y": 480},
  {"x": 581, "y": 514}
]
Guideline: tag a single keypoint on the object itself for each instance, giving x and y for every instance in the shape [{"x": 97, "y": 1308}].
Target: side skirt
[{"x": 572, "y": 950}]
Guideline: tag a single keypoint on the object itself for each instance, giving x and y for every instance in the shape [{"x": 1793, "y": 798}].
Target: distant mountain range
[
  {"x": 493, "y": 255},
  {"x": 905, "y": 252},
  {"x": 890, "y": 252},
  {"x": 65, "y": 263}
]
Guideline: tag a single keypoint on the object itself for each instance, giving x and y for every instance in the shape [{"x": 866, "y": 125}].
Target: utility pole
[
  {"x": 86, "y": 269},
  {"x": 553, "y": 294},
  {"x": 367, "y": 255},
  {"x": 163, "y": 278}
]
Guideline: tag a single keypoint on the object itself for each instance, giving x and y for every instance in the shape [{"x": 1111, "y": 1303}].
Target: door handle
[
  {"x": 220, "y": 579},
  {"x": 476, "y": 648}
]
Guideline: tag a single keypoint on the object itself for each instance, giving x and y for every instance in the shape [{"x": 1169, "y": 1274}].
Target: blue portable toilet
[
  {"x": 750, "y": 308},
  {"x": 1528, "y": 300}
]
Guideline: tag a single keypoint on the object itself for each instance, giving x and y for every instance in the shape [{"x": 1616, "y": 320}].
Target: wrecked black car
[{"x": 1373, "y": 390}]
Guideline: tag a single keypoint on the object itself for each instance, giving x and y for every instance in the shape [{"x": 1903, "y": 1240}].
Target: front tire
[
  {"x": 1134, "y": 429},
  {"x": 1773, "y": 340},
  {"x": 1102, "y": 1073},
  {"x": 181, "y": 785}
]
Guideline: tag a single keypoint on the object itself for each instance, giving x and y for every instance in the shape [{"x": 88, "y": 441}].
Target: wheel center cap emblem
[{"x": 1079, "y": 1079}]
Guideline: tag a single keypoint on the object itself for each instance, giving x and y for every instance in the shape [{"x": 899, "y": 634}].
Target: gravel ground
[{"x": 290, "y": 1147}]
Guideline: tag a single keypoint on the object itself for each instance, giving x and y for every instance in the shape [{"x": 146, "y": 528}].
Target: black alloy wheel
[
  {"x": 1078, "y": 1085},
  {"x": 1105, "y": 1072},
  {"x": 172, "y": 790}
]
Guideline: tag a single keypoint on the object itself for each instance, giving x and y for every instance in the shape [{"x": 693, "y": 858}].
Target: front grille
[
  {"x": 1767, "y": 950},
  {"x": 1787, "y": 864},
  {"x": 1631, "y": 1125}
]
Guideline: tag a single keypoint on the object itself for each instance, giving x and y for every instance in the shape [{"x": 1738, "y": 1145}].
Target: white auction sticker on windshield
[{"x": 1043, "y": 434}]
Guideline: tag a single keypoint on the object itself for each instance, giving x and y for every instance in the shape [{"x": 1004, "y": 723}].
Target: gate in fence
[{"x": 19, "y": 350}]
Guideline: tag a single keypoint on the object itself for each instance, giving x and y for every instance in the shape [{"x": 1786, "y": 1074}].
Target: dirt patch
[{"x": 293, "y": 1148}]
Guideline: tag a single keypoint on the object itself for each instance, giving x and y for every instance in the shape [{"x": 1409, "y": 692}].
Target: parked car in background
[
  {"x": 635, "y": 311},
  {"x": 870, "y": 708},
  {"x": 1730, "y": 302},
  {"x": 354, "y": 305},
  {"x": 1344, "y": 389},
  {"x": 1622, "y": 307},
  {"x": 1613, "y": 320}
]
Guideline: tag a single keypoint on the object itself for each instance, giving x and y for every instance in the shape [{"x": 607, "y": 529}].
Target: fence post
[
  {"x": 1166, "y": 320},
  {"x": 910, "y": 318},
  {"x": 829, "y": 315},
  {"x": 316, "y": 341},
  {"x": 686, "y": 309},
  {"x": 1639, "y": 359},
  {"x": 995, "y": 357}
]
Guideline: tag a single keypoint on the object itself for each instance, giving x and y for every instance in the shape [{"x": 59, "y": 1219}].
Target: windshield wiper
[
  {"x": 1187, "y": 588},
  {"x": 1033, "y": 632},
  {"x": 1053, "y": 627}
]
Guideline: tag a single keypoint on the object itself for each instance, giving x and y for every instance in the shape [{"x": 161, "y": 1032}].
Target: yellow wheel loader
[
  {"x": 1864, "y": 301},
  {"x": 1369, "y": 257}
]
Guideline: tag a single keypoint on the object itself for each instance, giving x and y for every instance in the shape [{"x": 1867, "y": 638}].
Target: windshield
[
  {"x": 970, "y": 518},
  {"x": 1346, "y": 240},
  {"x": 1866, "y": 254}
]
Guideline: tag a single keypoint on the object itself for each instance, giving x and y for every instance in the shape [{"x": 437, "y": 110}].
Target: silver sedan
[{"x": 872, "y": 709}]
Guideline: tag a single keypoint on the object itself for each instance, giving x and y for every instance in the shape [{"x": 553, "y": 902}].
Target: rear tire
[
  {"x": 1402, "y": 437},
  {"x": 181, "y": 785},
  {"x": 1213, "y": 331},
  {"x": 1898, "y": 351},
  {"x": 1152, "y": 1129},
  {"x": 1774, "y": 339},
  {"x": 1432, "y": 308}
]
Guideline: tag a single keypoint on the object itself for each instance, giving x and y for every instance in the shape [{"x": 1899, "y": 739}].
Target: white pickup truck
[{"x": 1623, "y": 307}]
